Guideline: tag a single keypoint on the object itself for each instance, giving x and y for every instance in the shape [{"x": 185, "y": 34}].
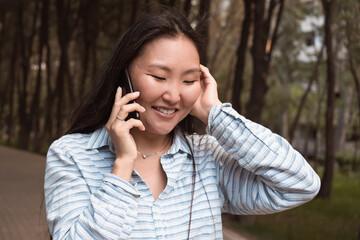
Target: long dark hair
[{"x": 95, "y": 109}]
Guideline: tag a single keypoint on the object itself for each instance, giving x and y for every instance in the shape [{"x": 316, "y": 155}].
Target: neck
[{"x": 147, "y": 142}]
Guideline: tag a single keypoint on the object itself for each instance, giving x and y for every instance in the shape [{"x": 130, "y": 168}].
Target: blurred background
[{"x": 292, "y": 66}]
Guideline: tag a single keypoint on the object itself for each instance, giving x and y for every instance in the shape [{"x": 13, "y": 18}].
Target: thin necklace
[{"x": 144, "y": 156}]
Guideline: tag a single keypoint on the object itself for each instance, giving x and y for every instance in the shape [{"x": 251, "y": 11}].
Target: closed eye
[
  {"x": 157, "y": 77},
  {"x": 190, "y": 82}
]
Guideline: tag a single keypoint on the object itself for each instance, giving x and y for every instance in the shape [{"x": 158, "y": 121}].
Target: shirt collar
[
  {"x": 179, "y": 144},
  {"x": 101, "y": 138}
]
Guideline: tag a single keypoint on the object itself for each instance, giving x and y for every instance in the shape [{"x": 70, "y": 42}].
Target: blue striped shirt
[{"x": 241, "y": 168}]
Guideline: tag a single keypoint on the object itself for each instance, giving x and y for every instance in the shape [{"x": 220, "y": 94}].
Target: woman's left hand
[{"x": 208, "y": 97}]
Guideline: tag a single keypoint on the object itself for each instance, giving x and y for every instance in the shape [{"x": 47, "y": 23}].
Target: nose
[{"x": 172, "y": 94}]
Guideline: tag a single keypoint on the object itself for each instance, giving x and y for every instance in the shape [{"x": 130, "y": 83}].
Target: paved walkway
[
  {"x": 22, "y": 214},
  {"x": 21, "y": 193}
]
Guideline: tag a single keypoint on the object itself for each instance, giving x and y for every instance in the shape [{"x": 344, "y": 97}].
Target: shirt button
[{"x": 156, "y": 210}]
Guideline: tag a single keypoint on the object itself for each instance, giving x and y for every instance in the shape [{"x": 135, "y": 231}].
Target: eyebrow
[{"x": 167, "y": 69}]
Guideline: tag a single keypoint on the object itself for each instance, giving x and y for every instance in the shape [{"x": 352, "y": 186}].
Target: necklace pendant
[{"x": 144, "y": 156}]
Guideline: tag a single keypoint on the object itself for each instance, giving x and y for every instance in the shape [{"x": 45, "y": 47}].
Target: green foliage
[
  {"x": 347, "y": 161},
  {"x": 337, "y": 218}
]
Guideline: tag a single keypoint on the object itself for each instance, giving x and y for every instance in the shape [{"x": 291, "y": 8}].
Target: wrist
[
  {"x": 208, "y": 110},
  {"x": 123, "y": 168}
]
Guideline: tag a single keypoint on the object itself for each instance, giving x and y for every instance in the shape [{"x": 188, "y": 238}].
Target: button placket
[{"x": 158, "y": 221}]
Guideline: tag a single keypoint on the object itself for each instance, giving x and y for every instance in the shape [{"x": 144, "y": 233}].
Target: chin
[{"x": 160, "y": 130}]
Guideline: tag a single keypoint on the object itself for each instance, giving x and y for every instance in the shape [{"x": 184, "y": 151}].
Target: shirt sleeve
[
  {"x": 258, "y": 171},
  {"x": 74, "y": 212}
]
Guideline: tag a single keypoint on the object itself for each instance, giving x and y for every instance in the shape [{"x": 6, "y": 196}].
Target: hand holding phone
[{"x": 128, "y": 88}]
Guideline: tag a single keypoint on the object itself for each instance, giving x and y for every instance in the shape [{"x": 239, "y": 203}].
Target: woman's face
[{"x": 167, "y": 75}]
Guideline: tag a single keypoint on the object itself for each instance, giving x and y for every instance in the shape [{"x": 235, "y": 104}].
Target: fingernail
[
  {"x": 118, "y": 89},
  {"x": 143, "y": 109},
  {"x": 137, "y": 92}
]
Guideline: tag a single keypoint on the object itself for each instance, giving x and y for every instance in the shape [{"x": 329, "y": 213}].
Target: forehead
[{"x": 165, "y": 50}]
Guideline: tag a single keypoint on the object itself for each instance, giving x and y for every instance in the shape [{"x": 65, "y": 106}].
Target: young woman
[{"x": 114, "y": 177}]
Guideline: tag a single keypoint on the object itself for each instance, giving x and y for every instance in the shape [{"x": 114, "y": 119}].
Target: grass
[{"x": 336, "y": 218}]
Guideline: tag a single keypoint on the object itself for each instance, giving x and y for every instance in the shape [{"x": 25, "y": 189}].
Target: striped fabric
[{"x": 241, "y": 168}]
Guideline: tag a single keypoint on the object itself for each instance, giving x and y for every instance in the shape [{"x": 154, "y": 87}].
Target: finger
[
  {"x": 116, "y": 106},
  {"x": 120, "y": 101},
  {"x": 205, "y": 73},
  {"x": 131, "y": 123},
  {"x": 131, "y": 107},
  {"x": 208, "y": 79},
  {"x": 128, "y": 108},
  {"x": 124, "y": 101},
  {"x": 129, "y": 97}
]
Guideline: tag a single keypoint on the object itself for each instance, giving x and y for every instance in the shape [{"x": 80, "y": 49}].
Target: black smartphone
[{"x": 128, "y": 88}]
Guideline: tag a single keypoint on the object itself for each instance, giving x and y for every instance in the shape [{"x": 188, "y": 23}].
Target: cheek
[
  {"x": 146, "y": 90},
  {"x": 192, "y": 95}
]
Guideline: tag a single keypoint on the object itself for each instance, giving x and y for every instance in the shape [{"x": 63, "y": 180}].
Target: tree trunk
[
  {"x": 343, "y": 119},
  {"x": 314, "y": 75},
  {"x": 187, "y": 7},
  {"x": 350, "y": 48},
  {"x": 318, "y": 138},
  {"x": 357, "y": 87},
  {"x": 203, "y": 28},
  {"x": 227, "y": 24},
  {"x": 258, "y": 83},
  {"x": 4, "y": 83},
  {"x": 60, "y": 88},
  {"x": 66, "y": 25},
  {"x": 326, "y": 185},
  {"x": 133, "y": 11},
  {"x": 43, "y": 42},
  {"x": 10, "y": 123},
  {"x": 356, "y": 80},
  {"x": 147, "y": 6},
  {"x": 261, "y": 53},
  {"x": 89, "y": 13},
  {"x": 25, "y": 52},
  {"x": 285, "y": 77},
  {"x": 241, "y": 54},
  {"x": 120, "y": 16},
  {"x": 48, "y": 134},
  {"x": 171, "y": 3}
]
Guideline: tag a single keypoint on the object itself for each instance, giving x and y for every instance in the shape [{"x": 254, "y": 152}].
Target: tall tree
[
  {"x": 223, "y": 27},
  {"x": 133, "y": 11},
  {"x": 203, "y": 28},
  {"x": 187, "y": 7},
  {"x": 67, "y": 20},
  {"x": 264, "y": 40},
  {"x": 26, "y": 51},
  {"x": 327, "y": 180},
  {"x": 42, "y": 46},
  {"x": 89, "y": 15},
  {"x": 4, "y": 85},
  {"x": 352, "y": 32},
  {"x": 304, "y": 96},
  {"x": 241, "y": 54},
  {"x": 12, "y": 76}
]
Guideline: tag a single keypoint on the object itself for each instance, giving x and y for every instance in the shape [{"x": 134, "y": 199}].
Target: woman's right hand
[{"x": 119, "y": 131}]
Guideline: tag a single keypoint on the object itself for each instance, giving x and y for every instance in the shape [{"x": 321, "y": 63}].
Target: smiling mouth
[{"x": 164, "y": 110}]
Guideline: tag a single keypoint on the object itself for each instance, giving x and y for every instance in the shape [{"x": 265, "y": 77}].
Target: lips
[{"x": 165, "y": 110}]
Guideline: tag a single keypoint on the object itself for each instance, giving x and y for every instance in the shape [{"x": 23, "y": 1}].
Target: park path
[
  {"x": 21, "y": 193},
  {"x": 22, "y": 212}
]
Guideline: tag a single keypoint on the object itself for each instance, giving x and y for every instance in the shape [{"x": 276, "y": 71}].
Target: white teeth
[{"x": 164, "y": 110}]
